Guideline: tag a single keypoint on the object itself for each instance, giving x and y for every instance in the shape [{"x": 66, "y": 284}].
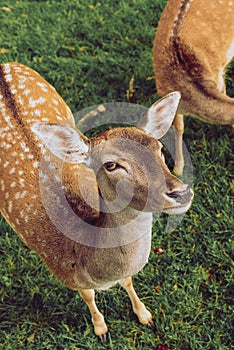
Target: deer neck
[{"x": 125, "y": 226}]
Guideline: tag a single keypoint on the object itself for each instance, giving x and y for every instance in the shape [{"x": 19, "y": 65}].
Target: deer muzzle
[{"x": 178, "y": 201}]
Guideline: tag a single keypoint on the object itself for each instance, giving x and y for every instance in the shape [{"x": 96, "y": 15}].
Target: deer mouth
[{"x": 178, "y": 202}]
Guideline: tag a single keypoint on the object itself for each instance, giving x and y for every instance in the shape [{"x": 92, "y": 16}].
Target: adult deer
[
  {"x": 84, "y": 205},
  {"x": 194, "y": 43}
]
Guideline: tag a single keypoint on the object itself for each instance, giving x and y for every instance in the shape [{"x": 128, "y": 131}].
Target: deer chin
[{"x": 176, "y": 210}]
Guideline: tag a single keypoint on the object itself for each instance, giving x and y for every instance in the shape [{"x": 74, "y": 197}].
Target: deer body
[
  {"x": 83, "y": 205},
  {"x": 193, "y": 45}
]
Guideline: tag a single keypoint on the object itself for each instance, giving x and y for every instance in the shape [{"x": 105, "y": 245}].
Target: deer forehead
[{"x": 123, "y": 143}]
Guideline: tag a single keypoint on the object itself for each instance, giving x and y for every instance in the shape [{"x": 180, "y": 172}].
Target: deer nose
[{"x": 181, "y": 197}]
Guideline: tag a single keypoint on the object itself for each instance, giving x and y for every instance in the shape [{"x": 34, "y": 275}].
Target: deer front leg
[
  {"x": 179, "y": 130},
  {"x": 139, "y": 308},
  {"x": 100, "y": 328}
]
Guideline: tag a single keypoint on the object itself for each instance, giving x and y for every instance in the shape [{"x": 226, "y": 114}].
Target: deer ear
[
  {"x": 63, "y": 141},
  {"x": 160, "y": 115},
  {"x": 71, "y": 146}
]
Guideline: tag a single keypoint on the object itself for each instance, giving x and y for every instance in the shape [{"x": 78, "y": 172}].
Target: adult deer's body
[
  {"x": 51, "y": 177},
  {"x": 194, "y": 43}
]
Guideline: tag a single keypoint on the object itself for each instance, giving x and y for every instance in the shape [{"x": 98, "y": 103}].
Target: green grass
[{"x": 89, "y": 50}]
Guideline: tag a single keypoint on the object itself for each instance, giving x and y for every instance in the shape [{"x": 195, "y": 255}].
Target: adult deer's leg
[
  {"x": 139, "y": 308},
  {"x": 100, "y": 328},
  {"x": 179, "y": 130}
]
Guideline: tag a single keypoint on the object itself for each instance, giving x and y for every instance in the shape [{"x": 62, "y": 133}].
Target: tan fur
[
  {"x": 193, "y": 45},
  {"x": 32, "y": 188}
]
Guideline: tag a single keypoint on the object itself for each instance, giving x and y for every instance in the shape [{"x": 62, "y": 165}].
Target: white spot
[
  {"x": 6, "y": 164},
  {"x": 12, "y": 170},
  {"x": 57, "y": 179},
  {"x": 24, "y": 147},
  {"x": 26, "y": 92},
  {"x": 24, "y": 194},
  {"x": 19, "y": 100},
  {"x": 8, "y": 78},
  {"x": 13, "y": 184},
  {"x": 22, "y": 79},
  {"x": 9, "y": 137},
  {"x": 55, "y": 102},
  {"x": 178, "y": 16},
  {"x": 26, "y": 219},
  {"x": 33, "y": 103},
  {"x": 36, "y": 165},
  {"x": 37, "y": 113},
  {"x": 29, "y": 207},
  {"x": 13, "y": 91},
  {"x": 2, "y": 184},
  {"x": 7, "y": 68},
  {"x": 22, "y": 213},
  {"x": 22, "y": 182},
  {"x": 17, "y": 68},
  {"x": 19, "y": 195},
  {"x": 10, "y": 205},
  {"x": 42, "y": 86},
  {"x": 7, "y": 119}
]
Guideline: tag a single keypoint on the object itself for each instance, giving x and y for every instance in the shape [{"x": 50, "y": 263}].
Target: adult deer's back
[
  {"x": 194, "y": 43},
  {"x": 26, "y": 98}
]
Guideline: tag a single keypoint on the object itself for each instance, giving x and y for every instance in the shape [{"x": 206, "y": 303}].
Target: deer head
[{"x": 128, "y": 161}]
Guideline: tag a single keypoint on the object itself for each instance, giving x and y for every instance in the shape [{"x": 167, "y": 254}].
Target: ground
[{"x": 90, "y": 52}]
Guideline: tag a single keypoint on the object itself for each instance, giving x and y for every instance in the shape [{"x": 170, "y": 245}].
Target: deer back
[
  {"x": 26, "y": 98},
  {"x": 193, "y": 44}
]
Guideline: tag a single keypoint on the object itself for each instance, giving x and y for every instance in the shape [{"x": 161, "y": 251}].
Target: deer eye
[{"x": 110, "y": 166}]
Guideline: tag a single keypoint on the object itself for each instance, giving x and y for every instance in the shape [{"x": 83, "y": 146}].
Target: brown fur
[
  {"x": 36, "y": 187},
  {"x": 190, "y": 56},
  {"x": 193, "y": 45}
]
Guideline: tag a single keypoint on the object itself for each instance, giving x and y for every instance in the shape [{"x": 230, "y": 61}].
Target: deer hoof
[
  {"x": 152, "y": 326},
  {"x": 103, "y": 338}
]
